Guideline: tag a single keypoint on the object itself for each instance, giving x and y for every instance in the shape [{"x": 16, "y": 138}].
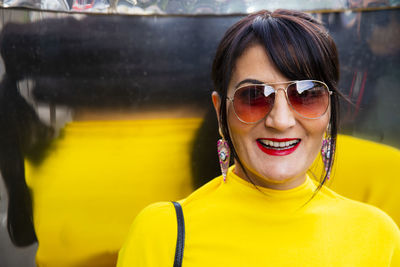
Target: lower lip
[{"x": 276, "y": 152}]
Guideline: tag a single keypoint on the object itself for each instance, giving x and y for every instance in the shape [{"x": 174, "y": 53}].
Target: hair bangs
[{"x": 295, "y": 51}]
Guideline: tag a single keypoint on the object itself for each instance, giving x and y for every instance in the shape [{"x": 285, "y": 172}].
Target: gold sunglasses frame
[{"x": 289, "y": 83}]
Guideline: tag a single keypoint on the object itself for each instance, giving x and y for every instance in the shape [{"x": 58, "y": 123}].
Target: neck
[{"x": 276, "y": 184}]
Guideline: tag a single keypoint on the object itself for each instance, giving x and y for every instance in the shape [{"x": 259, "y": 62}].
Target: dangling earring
[
  {"x": 327, "y": 151},
  {"x": 224, "y": 154}
]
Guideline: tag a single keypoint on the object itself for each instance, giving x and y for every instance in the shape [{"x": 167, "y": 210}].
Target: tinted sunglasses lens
[
  {"x": 309, "y": 98},
  {"x": 251, "y": 104}
]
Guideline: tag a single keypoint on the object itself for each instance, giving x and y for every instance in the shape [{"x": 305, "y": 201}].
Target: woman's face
[{"x": 277, "y": 169}]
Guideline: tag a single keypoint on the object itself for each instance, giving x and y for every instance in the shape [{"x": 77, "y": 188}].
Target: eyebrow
[{"x": 253, "y": 81}]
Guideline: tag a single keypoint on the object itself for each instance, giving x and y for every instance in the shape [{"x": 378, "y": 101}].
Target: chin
[
  {"x": 278, "y": 177},
  {"x": 278, "y": 174}
]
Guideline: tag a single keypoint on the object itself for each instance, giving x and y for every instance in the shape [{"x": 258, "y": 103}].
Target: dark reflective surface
[
  {"x": 146, "y": 68},
  {"x": 369, "y": 52},
  {"x": 138, "y": 62}
]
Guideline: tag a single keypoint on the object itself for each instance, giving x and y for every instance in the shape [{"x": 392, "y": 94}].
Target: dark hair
[
  {"x": 22, "y": 135},
  {"x": 296, "y": 43}
]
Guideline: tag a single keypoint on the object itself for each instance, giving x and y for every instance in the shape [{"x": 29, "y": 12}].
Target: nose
[{"x": 281, "y": 116}]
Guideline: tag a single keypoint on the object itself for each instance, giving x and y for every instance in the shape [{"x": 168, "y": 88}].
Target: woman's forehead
[{"x": 255, "y": 64}]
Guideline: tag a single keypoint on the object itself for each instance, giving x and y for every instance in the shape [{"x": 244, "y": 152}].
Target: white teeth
[{"x": 279, "y": 145}]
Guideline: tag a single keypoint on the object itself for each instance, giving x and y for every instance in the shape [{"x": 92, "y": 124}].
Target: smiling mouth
[{"x": 278, "y": 145}]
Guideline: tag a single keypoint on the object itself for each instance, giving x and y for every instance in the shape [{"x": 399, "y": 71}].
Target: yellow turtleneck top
[{"x": 234, "y": 224}]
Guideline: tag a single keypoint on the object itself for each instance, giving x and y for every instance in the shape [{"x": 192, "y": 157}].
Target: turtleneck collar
[{"x": 290, "y": 199}]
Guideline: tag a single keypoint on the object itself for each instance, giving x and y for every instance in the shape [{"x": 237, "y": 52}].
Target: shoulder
[
  {"x": 204, "y": 192},
  {"x": 147, "y": 224},
  {"x": 363, "y": 215},
  {"x": 155, "y": 211},
  {"x": 363, "y": 225},
  {"x": 153, "y": 234},
  {"x": 375, "y": 219},
  {"x": 375, "y": 226},
  {"x": 152, "y": 238}
]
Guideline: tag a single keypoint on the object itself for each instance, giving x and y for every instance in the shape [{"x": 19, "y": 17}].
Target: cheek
[
  {"x": 316, "y": 130},
  {"x": 324, "y": 123},
  {"x": 319, "y": 126},
  {"x": 237, "y": 129}
]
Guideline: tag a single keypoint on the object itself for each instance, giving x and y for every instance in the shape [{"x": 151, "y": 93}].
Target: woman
[{"x": 275, "y": 77}]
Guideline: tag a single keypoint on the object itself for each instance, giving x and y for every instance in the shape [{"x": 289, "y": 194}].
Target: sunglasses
[{"x": 308, "y": 98}]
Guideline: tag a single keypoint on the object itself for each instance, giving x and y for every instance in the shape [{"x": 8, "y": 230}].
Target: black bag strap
[{"x": 180, "y": 242}]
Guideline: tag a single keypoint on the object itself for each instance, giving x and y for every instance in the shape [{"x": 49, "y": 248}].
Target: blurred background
[{"x": 105, "y": 108}]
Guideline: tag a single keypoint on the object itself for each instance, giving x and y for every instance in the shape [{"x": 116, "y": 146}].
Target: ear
[{"x": 216, "y": 99}]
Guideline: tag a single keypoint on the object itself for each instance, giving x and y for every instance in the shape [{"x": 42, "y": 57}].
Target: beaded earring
[
  {"x": 327, "y": 152},
  {"x": 224, "y": 154}
]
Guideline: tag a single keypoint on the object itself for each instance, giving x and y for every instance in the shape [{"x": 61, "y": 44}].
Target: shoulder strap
[{"x": 180, "y": 242}]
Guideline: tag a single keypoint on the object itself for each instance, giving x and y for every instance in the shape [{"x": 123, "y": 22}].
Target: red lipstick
[{"x": 272, "y": 146}]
